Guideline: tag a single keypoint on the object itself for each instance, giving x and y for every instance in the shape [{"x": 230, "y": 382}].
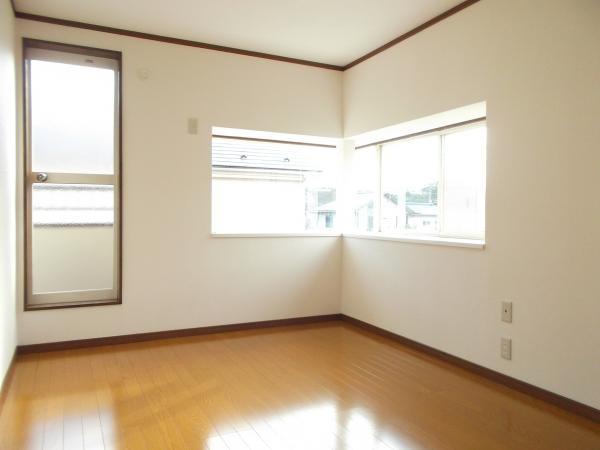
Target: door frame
[{"x": 106, "y": 58}]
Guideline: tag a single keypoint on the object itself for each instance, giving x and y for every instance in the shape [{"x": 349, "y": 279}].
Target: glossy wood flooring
[{"x": 326, "y": 386}]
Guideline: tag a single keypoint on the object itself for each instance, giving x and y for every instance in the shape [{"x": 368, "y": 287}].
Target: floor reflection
[
  {"x": 301, "y": 388},
  {"x": 317, "y": 427}
]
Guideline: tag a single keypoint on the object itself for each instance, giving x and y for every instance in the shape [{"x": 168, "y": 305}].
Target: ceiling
[{"x": 326, "y": 31}]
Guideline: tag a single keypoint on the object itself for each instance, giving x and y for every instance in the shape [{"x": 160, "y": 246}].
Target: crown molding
[{"x": 239, "y": 51}]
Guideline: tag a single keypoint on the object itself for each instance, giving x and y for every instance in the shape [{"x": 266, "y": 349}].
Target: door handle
[{"x": 41, "y": 177}]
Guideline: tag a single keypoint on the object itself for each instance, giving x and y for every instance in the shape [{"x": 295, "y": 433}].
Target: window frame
[
  {"x": 42, "y": 50},
  {"x": 440, "y": 236}
]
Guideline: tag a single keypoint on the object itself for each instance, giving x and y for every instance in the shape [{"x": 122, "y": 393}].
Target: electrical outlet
[
  {"x": 507, "y": 312},
  {"x": 506, "y": 348}
]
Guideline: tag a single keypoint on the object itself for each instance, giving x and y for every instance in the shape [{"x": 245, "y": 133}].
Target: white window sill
[
  {"x": 273, "y": 235},
  {"x": 427, "y": 240}
]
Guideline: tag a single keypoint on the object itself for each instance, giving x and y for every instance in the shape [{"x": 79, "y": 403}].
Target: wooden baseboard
[
  {"x": 5, "y": 385},
  {"x": 518, "y": 385},
  {"x": 141, "y": 337},
  {"x": 550, "y": 397}
]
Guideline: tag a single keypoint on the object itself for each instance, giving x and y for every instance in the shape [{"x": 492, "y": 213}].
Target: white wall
[
  {"x": 537, "y": 65},
  {"x": 174, "y": 274},
  {"x": 8, "y": 166}
]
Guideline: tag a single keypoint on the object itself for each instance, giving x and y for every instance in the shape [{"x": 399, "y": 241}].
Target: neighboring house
[
  {"x": 421, "y": 216},
  {"x": 325, "y": 214},
  {"x": 244, "y": 174},
  {"x": 414, "y": 216},
  {"x": 72, "y": 205}
]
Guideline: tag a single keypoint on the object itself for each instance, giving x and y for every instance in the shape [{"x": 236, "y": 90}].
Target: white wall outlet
[
  {"x": 506, "y": 348},
  {"x": 507, "y": 312}
]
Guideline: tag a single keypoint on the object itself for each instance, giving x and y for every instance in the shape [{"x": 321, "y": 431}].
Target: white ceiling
[{"x": 328, "y": 31}]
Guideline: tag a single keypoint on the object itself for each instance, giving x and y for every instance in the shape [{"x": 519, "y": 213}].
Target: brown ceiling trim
[
  {"x": 238, "y": 51},
  {"x": 412, "y": 32},
  {"x": 172, "y": 40},
  {"x": 14, "y": 9}
]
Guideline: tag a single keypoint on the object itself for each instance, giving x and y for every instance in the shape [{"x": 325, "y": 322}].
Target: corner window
[
  {"x": 269, "y": 186},
  {"x": 364, "y": 177},
  {"x": 432, "y": 184}
]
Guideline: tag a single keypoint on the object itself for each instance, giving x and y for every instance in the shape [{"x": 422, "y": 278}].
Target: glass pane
[
  {"x": 72, "y": 118},
  {"x": 364, "y": 179},
  {"x": 262, "y": 187},
  {"x": 464, "y": 182},
  {"x": 72, "y": 237},
  {"x": 410, "y": 172}
]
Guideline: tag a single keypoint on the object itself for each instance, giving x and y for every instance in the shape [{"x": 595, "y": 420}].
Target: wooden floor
[{"x": 300, "y": 387}]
